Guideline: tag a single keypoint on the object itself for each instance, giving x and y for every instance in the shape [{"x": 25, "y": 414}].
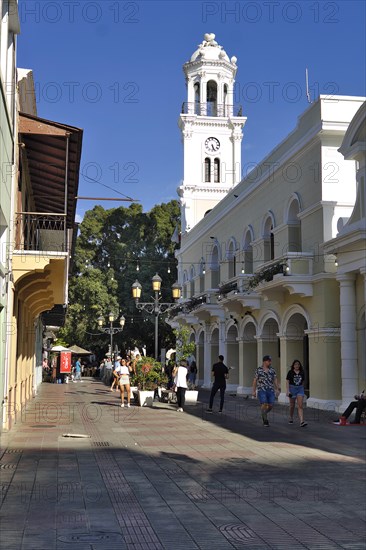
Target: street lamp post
[
  {"x": 156, "y": 307},
  {"x": 111, "y": 330}
]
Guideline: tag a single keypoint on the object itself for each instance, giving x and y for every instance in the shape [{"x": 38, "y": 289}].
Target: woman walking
[
  {"x": 123, "y": 373},
  {"x": 295, "y": 380},
  {"x": 116, "y": 376}
]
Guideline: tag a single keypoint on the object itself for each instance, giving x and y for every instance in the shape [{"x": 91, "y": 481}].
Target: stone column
[
  {"x": 260, "y": 348},
  {"x": 207, "y": 354},
  {"x": 240, "y": 388},
  {"x": 363, "y": 272},
  {"x": 348, "y": 313},
  {"x": 203, "y": 95},
  {"x": 222, "y": 339},
  {"x": 285, "y": 361}
]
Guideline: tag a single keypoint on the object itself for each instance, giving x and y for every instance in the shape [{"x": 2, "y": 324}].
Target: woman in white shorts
[{"x": 124, "y": 382}]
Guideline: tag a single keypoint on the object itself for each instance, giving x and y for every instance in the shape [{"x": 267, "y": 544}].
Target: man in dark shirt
[
  {"x": 359, "y": 405},
  {"x": 221, "y": 373}
]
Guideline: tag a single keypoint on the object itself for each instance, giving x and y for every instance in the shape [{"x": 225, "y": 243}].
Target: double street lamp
[
  {"x": 156, "y": 307},
  {"x": 111, "y": 330}
]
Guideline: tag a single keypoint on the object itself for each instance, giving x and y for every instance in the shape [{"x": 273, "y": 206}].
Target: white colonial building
[
  {"x": 256, "y": 276},
  {"x": 350, "y": 249}
]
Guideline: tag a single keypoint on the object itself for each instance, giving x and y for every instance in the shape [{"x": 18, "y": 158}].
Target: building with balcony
[
  {"x": 349, "y": 247},
  {"x": 10, "y": 28},
  {"x": 255, "y": 275},
  {"x": 47, "y": 159}
]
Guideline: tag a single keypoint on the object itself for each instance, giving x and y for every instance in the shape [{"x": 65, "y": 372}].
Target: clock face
[{"x": 212, "y": 145}]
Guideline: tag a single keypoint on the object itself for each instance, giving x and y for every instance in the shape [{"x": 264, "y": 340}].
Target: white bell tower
[{"x": 211, "y": 129}]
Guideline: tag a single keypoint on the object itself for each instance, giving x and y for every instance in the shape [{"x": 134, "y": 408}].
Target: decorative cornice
[
  {"x": 213, "y": 121},
  {"x": 190, "y": 65},
  {"x": 201, "y": 188}
]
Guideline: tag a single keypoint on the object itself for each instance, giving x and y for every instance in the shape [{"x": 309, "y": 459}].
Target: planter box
[
  {"x": 133, "y": 391},
  {"x": 191, "y": 397},
  {"x": 146, "y": 398}
]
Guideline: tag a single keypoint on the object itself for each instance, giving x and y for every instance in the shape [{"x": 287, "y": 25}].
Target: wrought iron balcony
[
  {"x": 211, "y": 108},
  {"x": 39, "y": 231}
]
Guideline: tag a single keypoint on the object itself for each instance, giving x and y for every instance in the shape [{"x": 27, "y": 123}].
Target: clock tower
[{"x": 211, "y": 127}]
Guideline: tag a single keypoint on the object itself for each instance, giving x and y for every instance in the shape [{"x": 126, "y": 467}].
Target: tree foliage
[
  {"x": 111, "y": 246},
  {"x": 185, "y": 347}
]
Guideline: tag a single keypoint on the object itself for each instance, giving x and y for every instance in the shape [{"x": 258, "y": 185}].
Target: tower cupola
[{"x": 211, "y": 126}]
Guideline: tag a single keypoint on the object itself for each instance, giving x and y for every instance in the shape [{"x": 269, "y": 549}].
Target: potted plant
[{"x": 148, "y": 376}]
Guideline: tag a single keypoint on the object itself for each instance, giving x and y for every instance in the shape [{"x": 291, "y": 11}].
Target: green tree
[
  {"x": 184, "y": 347},
  {"x": 111, "y": 246}
]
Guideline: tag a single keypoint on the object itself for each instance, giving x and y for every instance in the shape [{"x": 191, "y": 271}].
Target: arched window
[
  {"x": 215, "y": 268},
  {"x": 248, "y": 253},
  {"x": 211, "y": 98},
  {"x": 191, "y": 285},
  {"x": 207, "y": 169},
  {"x": 268, "y": 237},
  {"x": 232, "y": 260},
  {"x": 184, "y": 290},
  {"x": 272, "y": 243},
  {"x": 217, "y": 170},
  {"x": 294, "y": 227},
  {"x": 202, "y": 275},
  {"x": 197, "y": 99}
]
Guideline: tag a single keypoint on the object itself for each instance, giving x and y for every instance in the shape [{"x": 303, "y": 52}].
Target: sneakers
[
  {"x": 220, "y": 411},
  {"x": 122, "y": 405},
  {"x": 209, "y": 410},
  {"x": 179, "y": 410},
  {"x": 266, "y": 423},
  {"x": 128, "y": 405},
  {"x": 290, "y": 421},
  {"x": 303, "y": 424}
]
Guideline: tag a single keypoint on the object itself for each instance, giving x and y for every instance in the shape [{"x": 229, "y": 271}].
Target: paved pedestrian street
[{"x": 154, "y": 478}]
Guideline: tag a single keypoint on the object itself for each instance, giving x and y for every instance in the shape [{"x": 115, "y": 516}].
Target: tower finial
[{"x": 210, "y": 39}]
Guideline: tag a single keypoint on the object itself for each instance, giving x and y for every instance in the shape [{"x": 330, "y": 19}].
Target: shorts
[
  {"x": 124, "y": 382},
  {"x": 266, "y": 396},
  {"x": 296, "y": 390}
]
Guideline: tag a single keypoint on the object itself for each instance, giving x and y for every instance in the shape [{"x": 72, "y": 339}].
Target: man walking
[
  {"x": 265, "y": 384},
  {"x": 221, "y": 373}
]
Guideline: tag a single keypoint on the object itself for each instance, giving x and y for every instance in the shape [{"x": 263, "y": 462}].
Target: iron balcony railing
[
  {"x": 40, "y": 231},
  {"x": 211, "y": 108}
]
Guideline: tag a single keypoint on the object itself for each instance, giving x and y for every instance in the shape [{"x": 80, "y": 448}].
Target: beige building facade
[
  {"x": 255, "y": 274},
  {"x": 40, "y": 162}
]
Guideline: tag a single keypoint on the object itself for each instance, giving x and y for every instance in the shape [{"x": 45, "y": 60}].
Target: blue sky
[{"x": 114, "y": 68}]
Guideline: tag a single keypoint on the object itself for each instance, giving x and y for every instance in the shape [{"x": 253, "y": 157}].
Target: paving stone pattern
[{"x": 154, "y": 478}]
